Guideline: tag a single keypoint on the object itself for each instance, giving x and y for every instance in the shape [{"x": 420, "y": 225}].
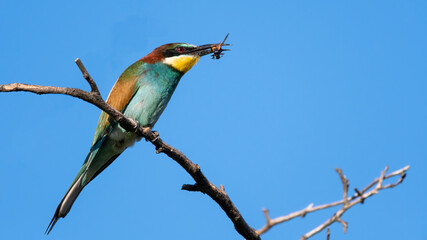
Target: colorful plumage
[{"x": 142, "y": 92}]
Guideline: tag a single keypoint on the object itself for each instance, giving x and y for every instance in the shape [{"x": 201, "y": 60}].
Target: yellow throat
[{"x": 182, "y": 63}]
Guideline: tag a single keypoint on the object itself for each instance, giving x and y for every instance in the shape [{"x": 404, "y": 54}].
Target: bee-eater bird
[{"x": 142, "y": 92}]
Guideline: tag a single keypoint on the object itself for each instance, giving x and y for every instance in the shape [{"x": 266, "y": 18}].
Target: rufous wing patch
[
  {"x": 119, "y": 97},
  {"x": 121, "y": 93}
]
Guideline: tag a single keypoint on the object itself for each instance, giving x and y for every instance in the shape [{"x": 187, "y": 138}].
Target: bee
[{"x": 218, "y": 50}]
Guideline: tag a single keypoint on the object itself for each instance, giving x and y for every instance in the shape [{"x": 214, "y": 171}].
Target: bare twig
[
  {"x": 192, "y": 188},
  {"x": 87, "y": 76},
  {"x": 328, "y": 234},
  {"x": 381, "y": 179},
  {"x": 202, "y": 183},
  {"x": 343, "y": 223},
  {"x": 345, "y": 186},
  {"x": 358, "y": 197}
]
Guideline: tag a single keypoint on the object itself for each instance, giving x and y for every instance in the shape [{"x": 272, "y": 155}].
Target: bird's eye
[{"x": 180, "y": 49}]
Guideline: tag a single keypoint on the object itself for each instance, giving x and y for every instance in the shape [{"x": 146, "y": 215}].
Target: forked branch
[{"x": 346, "y": 202}]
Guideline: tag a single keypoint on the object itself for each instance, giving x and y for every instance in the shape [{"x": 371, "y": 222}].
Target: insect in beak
[{"x": 217, "y": 49}]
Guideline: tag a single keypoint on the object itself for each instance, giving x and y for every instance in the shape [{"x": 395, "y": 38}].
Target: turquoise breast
[{"x": 154, "y": 89}]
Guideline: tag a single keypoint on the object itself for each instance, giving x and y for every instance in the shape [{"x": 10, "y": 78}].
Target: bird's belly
[
  {"x": 122, "y": 139},
  {"x": 145, "y": 107}
]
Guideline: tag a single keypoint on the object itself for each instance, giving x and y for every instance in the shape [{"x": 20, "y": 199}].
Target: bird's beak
[
  {"x": 205, "y": 49},
  {"x": 216, "y": 49}
]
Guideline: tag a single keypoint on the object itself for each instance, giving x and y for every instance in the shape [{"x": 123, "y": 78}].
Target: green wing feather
[{"x": 119, "y": 97}]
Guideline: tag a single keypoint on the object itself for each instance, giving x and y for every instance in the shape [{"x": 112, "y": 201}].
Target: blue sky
[{"x": 309, "y": 86}]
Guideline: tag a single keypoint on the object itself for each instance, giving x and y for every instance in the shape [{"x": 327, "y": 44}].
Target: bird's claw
[
  {"x": 138, "y": 125},
  {"x": 156, "y": 136}
]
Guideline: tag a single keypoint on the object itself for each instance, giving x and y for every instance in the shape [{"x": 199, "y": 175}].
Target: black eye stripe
[{"x": 176, "y": 51}]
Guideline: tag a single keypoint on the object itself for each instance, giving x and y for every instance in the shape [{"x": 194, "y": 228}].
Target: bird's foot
[
  {"x": 138, "y": 125},
  {"x": 156, "y": 136}
]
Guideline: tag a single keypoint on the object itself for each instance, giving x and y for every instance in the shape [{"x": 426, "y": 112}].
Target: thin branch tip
[
  {"x": 343, "y": 223},
  {"x": 328, "y": 234},
  {"x": 267, "y": 215}
]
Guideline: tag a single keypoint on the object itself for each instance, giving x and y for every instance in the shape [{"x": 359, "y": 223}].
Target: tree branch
[
  {"x": 347, "y": 202},
  {"x": 328, "y": 234},
  {"x": 87, "y": 76},
  {"x": 202, "y": 183}
]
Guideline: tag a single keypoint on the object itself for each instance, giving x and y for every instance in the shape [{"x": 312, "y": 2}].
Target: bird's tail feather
[{"x": 67, "y": 202}]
